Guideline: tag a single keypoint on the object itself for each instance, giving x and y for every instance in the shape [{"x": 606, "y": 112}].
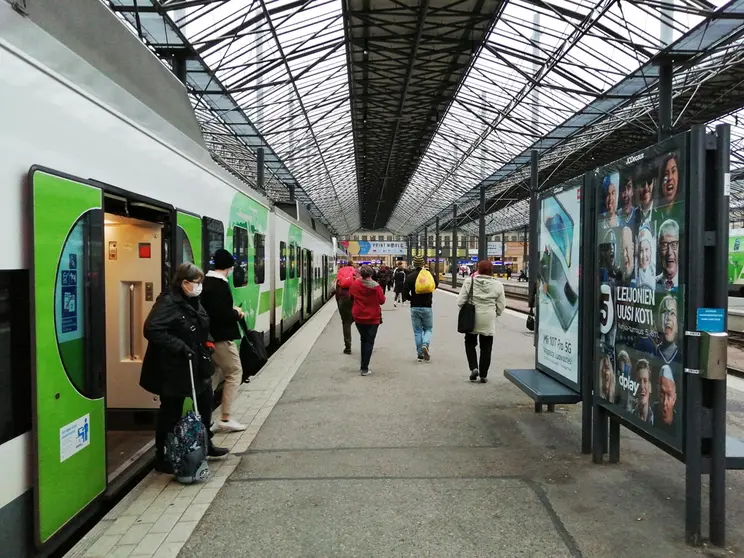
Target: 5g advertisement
[
  {"x": 559, "y": 242},
  {"x": 641, "y": 238}
]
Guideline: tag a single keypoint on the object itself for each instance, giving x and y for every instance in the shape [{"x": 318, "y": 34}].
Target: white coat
[{"x": 489, "y": 301}]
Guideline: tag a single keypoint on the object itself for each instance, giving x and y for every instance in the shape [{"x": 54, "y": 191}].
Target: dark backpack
[{"x": 253, "y": 353}]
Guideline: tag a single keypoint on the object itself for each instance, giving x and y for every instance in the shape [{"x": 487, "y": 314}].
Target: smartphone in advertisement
[
  {"x": 558, "y": 289},
  {"x": 560, "y": 225}
]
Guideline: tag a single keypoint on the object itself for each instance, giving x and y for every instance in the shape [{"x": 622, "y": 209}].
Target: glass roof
[
  {"x": 542, "y": 63},
  {"x": 557, "y": 74}
]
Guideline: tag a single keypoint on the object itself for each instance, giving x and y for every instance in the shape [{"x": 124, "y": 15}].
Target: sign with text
[
  {"x": 558, "y": 276},
  {"x": 641, "y": 238}
]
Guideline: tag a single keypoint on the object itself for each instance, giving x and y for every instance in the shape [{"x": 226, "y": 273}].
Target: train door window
[
  {"x": 185, "y": 253},
  {"x": 79, "y": 262},
  {"x": 240, "y": 253},
  {"x": 292, "y": 262},
  {"x": 259, "y": 258},
  {"x": 213, "y": 236},
  {"x": 299, "y": 261},
  {"x": 282, "y": 261},
  {"x": 15, "y": 364}
]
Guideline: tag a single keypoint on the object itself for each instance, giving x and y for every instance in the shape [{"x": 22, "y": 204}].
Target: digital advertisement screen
[
  {"x": 559, "y": 242},
  {"x": 641, "y": 240}
]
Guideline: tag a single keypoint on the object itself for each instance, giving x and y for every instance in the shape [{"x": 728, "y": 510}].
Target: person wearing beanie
[
  {"x": 422, "y": 317},
  {"x": 217, "y": 300}
]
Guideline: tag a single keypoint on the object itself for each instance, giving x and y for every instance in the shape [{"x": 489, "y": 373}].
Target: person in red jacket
[{"x": 368, "y": 298}]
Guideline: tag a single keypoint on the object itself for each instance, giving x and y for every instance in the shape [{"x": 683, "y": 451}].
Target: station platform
[{"x": 413, "y": 460}]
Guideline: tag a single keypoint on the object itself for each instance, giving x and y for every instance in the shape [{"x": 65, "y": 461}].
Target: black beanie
[{"x": 223, "y": 259}]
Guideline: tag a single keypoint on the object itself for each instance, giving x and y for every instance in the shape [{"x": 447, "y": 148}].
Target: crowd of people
[
  {"x": 360, "y": 295},
  {"x": 192, "y": 328}
]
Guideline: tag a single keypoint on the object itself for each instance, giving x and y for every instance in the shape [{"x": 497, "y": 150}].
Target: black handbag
[
  {"x": 253, "y": 353},
  {"x": 466, "y": 317},
  {"x": 531, "y": 321}
]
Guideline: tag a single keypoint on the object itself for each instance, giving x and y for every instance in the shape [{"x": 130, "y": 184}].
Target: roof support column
[
  {"x": 260, "y": 169},
  {"x": 437, "y": 246},
  {"x": 409, "y": 249},
  {"x": 666, "y": 74},
  {"x": 534, "y": 210},
  {"x": 503, "y": 250},
  {"x": 454, "y": 246},
  {"x": 482, "y": 243},
  {"x": 426, "y": 246},
  {"x": 524, "y": 246}
]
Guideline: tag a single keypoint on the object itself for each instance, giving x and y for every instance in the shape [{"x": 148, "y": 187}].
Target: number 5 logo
[{"x": 606, "y": 309}]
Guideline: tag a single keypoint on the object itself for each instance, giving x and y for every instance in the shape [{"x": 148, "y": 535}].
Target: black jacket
[
  {"x": 176, "y": 327},
  {"x": 217, "y": 300},
  {"x": 399, "y": 278},
  {"x": 409, "y": 291}
]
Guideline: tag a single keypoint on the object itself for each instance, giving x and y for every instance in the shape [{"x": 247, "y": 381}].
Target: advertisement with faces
[{"x": 640, "y": 204}]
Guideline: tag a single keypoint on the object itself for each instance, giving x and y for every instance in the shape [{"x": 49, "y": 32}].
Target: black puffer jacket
[{"x": 176, "y": 327}]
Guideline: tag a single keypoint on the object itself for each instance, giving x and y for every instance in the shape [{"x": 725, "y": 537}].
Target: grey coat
[{"x": 489, "y": 300}]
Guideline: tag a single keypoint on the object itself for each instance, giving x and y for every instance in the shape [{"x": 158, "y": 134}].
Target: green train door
[{"x": 68, "y": 360}]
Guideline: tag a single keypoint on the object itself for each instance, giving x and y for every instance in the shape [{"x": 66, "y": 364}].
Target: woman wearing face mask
[{"x": 177, "y": 330}]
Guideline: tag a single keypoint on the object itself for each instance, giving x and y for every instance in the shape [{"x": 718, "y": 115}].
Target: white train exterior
[{"x": 102, "y": 197}]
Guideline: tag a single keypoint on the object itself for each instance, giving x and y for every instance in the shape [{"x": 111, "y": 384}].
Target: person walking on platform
[
  {"x": 224, "y": 316},
  {"x": 399, "y": 279},
  {"x": 346, "y": 276},
  {"x": 368, "y": 298},
  {"x": 487, "y": 295},
  {"x": 177, "y": 331},
  {"x": 422, "y": 317}
]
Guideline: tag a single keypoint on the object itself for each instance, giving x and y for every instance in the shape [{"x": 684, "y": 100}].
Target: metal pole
[
  {"x": 534, "y": 209},
  {"x": 719, "y": 296},
  {"x": 437, "y": 247},
  {"x": 426, "y": 245},
  {"x": 587, "y": 317},
  {"x": 665, "y": 99},
  {"x": 503, "y": 249},
  {"x": 409, "y": 249},
  {"x": 693, "y": 386},
  {"x": 524, "y": 245},
  {"x": 454, "y": 246},
  {"x": 482, "y": 242},
  {"x": 260, "y": 169}
]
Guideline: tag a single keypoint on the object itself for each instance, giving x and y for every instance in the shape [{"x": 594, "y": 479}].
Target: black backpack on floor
[{"x": 253, "y": 353}]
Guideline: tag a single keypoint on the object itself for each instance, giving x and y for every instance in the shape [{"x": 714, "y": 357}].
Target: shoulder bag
[{"x": 466, "y": 317}]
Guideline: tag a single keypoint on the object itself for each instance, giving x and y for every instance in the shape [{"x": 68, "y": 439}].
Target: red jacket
[{"x": 367, "y": 302}]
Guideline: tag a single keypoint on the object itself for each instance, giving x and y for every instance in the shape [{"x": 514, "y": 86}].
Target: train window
[
  {"x": 15, "y": 364},
  {"x": 299, "y": 259},
  {"x": 240, "y": 253},
  {"x": 282, "y": 261},
  {"x": 292, "y": 262},
  {"x": 259, "y": 258},
  {"x": 214, "y": 239},
  {"x": 183, "y": 245},
  {"x": 78, "y": 265}
]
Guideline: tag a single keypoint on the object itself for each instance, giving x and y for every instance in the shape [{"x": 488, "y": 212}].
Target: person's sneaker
[
  {"x": 366, "y": 372},
  {"x": 483, "y": 380},
  {"x": 215, "y": 451},
  {"x": 230, "y": 426},
  {"x": 420, "y": 358},
  {"x": 395, "y": 304},
  {"x": 425, "y": 352},
  {"x": 474, "y": 375},
  {"x": 347, "y": 351}
]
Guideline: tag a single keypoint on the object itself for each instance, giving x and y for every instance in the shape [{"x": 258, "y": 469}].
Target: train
[
  {"x": 736, "y": 262},
  {"x": 103, "y": 197}
]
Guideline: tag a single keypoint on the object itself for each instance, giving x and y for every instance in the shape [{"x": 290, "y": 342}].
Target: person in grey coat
[{"x": 490, "y": 301}]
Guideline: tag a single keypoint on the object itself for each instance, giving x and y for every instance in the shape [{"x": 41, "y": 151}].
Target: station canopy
[{"x": 382, "y": 114}]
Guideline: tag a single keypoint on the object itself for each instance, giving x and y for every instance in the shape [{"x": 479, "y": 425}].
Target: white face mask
[{"x": 195, "y": 291}]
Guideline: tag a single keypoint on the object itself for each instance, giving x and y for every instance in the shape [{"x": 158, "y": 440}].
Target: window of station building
[
  {"x": 282, "y": 261},
  {"x": 292, "y": 262},
  {"x": 240, "y": 253},
  {"x": 364, "y": 237},
  {"x": 259, "y": 258},
  {"x": 390, "y": 238},
  {"x": 15, "y": 364}
]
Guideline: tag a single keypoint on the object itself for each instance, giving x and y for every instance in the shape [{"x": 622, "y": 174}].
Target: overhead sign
[{"x": 367, "y": 248}]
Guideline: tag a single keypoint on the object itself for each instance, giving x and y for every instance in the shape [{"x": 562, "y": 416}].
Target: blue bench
[{"x": 543, "y": 389}]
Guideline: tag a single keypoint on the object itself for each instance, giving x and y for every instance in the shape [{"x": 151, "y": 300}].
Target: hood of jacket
[
  {"x": 369, "y": 283},
  {"x": 482, "y": 284}
]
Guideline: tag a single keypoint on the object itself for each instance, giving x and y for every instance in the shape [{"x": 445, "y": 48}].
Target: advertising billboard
[
  {"x": 559, "y": 241},
  {"x": 641, "y": 240},
  {"x": 368, "y": 248}
]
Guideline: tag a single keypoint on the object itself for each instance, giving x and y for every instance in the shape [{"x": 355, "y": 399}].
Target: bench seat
[{"x": 543, "y": 389}]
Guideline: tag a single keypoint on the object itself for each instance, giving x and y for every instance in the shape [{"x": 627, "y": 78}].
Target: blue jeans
[{"x": 423, "y": 322}]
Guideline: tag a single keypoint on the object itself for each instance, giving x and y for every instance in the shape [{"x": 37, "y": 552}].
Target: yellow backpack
[{"x": 425, "y": 282}]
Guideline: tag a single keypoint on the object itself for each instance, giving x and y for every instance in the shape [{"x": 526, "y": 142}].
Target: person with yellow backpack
[{"x": 418, "y": 289}]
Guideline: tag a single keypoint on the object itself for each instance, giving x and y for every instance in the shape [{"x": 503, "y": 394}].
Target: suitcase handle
[{"x": 193, "y": 388}]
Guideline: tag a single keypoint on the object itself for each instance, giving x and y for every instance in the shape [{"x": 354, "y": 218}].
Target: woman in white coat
[{"x": 489, "y": 301}]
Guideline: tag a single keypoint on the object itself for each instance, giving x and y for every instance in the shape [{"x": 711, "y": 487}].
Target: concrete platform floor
[{"x": 414, "y": 460}]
